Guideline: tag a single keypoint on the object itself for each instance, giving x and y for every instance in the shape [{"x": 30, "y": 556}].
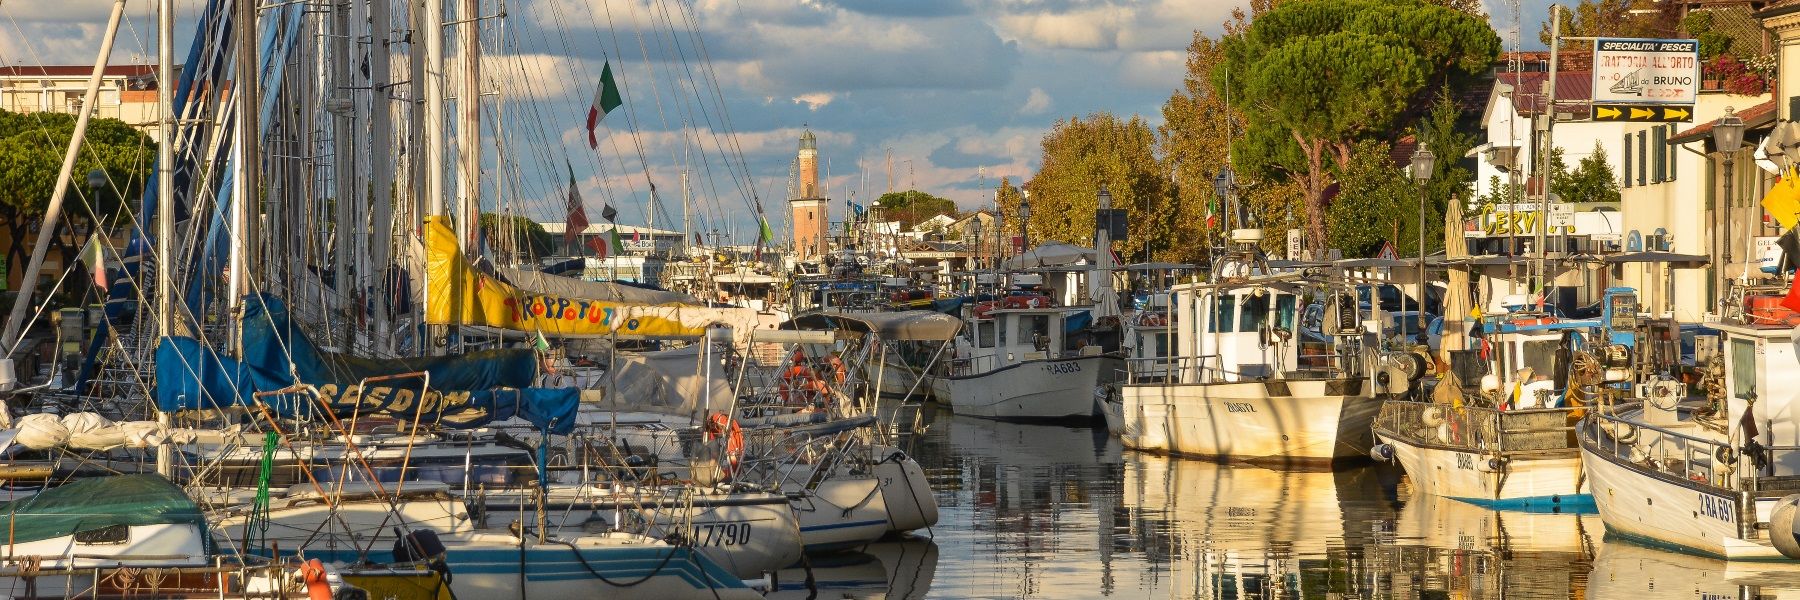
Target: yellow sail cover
[{"x": 457, "y": 294}]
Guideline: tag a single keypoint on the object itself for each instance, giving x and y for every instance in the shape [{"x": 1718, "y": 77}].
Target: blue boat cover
[{"x": 465, "y": 391}]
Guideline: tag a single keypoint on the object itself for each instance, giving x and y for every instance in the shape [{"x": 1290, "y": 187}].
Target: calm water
[{"x": 1039, "y": 511}]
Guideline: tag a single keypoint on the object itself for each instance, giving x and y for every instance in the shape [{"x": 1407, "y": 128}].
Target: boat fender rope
[{"x": 603, "y": 578}]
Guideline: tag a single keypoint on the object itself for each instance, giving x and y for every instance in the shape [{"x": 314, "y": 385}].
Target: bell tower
[{"x": 808, "y": 206}]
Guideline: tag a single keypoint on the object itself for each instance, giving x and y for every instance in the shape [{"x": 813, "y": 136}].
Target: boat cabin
[
  {"x": 1006, "y": 336},
  {"x": 1760, "y": 377},
  {"x": 1233, "y": 334}
]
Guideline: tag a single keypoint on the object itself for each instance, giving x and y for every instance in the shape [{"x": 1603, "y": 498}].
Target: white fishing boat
[
  {"x": 1238, "y": 391},
  {"x": 1713, "y": 475},
  {"x": 1016, "y": 364}
]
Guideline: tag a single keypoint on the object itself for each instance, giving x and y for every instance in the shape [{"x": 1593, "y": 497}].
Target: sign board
[
  {"x": 1500, "y": 220},
  {"x": 1646, "y": 71},
  {"x": 1768, "y": 254},
  {"x": 1387, "y": 252},
  {"x": 1293, "y": 244},
  {"x": 1562, "y": 214},
  {"x": 1643, "y": 113}
]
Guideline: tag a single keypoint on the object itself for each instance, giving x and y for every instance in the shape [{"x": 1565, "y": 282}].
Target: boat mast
[
  {"x": 52, "y": 213},
  {"x": 165, "y": 198},
  {"x": 381, "y": 172},
  {"x": 468, "y": 127},
  {"x": 244, "y": 194},
  {"x": 431, "y": 26},
  {"x": 343, "y": 171}
]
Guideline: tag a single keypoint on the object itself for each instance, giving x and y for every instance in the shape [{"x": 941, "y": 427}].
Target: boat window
[
  {"x": 1034, "y": 327},
  {"x": 1743, "y": 368},
  {"x": 1000, "y": 331},
  {"x": 1284, "y": 312},
  {"x": 1161, "y": 344},
  {"x": 1540, "y": 355},
  {"x": 984, "y": 334},
  {"x": 1224, "y": 314},
  {"x": 1254, "y": 314}
]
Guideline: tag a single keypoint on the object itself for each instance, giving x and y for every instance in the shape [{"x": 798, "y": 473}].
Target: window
[
  {"x": 1672, "y": 154},
  {"x": 1626, "y": 164},
  {"x": 1743, "y": 368},
  {"x": 1034, "y": 327},
  {"x": 1284, "y": 312},
  {"x": 1643, "y": 149},
  {"x": 1659, "y": 166},
  {"x": 984, "y": 334},
  {"x": 1254, "y": 314},
  {"x": 1224, "y": 314},
  {"x": 1540, "y": 355}
]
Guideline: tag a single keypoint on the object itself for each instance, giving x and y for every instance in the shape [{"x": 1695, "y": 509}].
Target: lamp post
[
  {"x": 1423, "y": 161},
  {"x": 1728, "y": 136},
  {"x": 1024, "y": 228}
]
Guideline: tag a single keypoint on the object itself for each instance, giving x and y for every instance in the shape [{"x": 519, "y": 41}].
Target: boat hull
[
  {"x": 1049, "y": 389},
  {"x": 841, "y": 513},
  {"x": 1523, "y": 482},
  {"x": 1280, "y": 422},
  {"x": 905, "y": 490},
  {"x": 1663, "y": 511}
]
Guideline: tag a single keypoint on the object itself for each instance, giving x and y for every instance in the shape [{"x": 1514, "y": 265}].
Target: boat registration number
[
  {"x": 1060, "y": 368},
  {"x": 1722, "y": 509},
  {"x": 721, "y": 534}
]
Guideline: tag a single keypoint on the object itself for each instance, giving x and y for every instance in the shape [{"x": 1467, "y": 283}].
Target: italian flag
[{"x": 606, "y": 98}]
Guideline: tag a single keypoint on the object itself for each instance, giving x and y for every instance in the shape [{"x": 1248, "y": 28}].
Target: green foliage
[
  {"x": 32, "y": 147},
  {"x": 517, "y": 234},
  {"x": 1080, "y": 155},
  {"x": 1592, "y": 179},
  {"x": 1699, "y": 25},
  {"x": 911, "y": 206},
  {"x": 1314, "y": 77},
  {"x": 1376, "y": 201}
]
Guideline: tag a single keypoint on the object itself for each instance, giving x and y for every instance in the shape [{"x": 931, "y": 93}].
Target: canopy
[
  {"x": 906, "y": 325},
  {"x": 1158, "y": 266},
  {"x": 1050, "y": 254},
  {"x": 672, "y": 382},
  {"x": 555, "y": 285},
  {"x": 97, "y": 503}
]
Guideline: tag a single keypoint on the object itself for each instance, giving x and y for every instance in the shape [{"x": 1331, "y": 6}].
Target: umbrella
[{"x": 1457, "y": 301}]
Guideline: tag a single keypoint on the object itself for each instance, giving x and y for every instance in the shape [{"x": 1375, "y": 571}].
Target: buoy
[
  {"x": 1432, "y": 416},
  {"x": 1781, "y": 526},
  {"x": 1382, "y": 453},
  {"x": 1443, "y": 433},
  {"x": 313, "y": 573}
]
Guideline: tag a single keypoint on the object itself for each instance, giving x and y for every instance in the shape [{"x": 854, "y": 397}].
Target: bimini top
[
  {"x": 99, "y": 503},
  {"x": 905, "y": 325}
]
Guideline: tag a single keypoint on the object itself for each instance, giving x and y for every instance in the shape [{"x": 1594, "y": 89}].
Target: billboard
[{"x": 1642, "y": 71}]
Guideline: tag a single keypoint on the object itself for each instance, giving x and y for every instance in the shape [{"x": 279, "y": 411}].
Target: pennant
[
  {"x": 636, "y": 236},
  {"x": 577, "y": 213},
  {"x": 613, "y": 238},
  {"x": 1783, "y": 201},
  {"x": 94, "y": 255},
  {"x": 606, "y": 98}
]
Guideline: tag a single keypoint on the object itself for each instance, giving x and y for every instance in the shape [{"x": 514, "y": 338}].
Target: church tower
[{"x": 808, "y": 205}]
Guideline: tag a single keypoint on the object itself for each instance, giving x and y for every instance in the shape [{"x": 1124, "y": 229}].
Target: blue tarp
[
  {"x": 1075, "y": 322},
  {"x": 465, "y": 391}
]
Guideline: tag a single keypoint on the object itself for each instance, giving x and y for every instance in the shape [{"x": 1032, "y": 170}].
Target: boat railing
[
  {"x": 1479, "y": 429},
  {"x": 1664, "y": 451}
]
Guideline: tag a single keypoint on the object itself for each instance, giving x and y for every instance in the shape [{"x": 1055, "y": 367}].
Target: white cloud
[
  {"x": 1109, "y": 25},
  {"x": 815, "y": 100},
  {"x": 1036, "y": 103}
]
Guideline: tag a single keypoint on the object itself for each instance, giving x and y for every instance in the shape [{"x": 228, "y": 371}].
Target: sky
[{"x": 958, "y": 92}]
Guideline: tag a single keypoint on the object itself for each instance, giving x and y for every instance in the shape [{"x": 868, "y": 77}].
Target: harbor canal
[{"x": 1049, "y": 511}]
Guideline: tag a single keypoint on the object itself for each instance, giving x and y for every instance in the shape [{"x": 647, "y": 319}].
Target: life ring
[
  {"x": 317, "y": 586},
  {"x": 1431, "y": 416},
  {"x": 721, "y": 424},
  {"x": 1533, "y": 321}
]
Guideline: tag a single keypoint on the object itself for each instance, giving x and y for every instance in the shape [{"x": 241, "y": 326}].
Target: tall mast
[
  {"x": 53, "y": 212},
  {"x": 381, "y": 172},
  {"x": 343, "y": 171},
  {"x": 244, "y": 86},
  {"x": 431, "y": 26},
  {"x": 165, "y": 197},
  {"x": 468, "y": 126}
]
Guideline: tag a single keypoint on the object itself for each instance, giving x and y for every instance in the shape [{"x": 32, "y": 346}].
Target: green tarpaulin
[{"x": 98, "y": 503}]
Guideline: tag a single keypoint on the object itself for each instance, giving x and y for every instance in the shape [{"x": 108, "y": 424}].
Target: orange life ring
[
  {"x": 721, "y": 424},
  {"x": 1533, "y": 321},
  {"x": 313, "y": 573}
]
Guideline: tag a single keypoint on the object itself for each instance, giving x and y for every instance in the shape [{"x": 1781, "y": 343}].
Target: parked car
[{"x": 1402, "y": 328}]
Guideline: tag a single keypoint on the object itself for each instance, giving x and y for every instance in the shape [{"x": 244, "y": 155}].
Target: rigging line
[
  {"x": 698, "y": 102},
  {"x": 625, "y": 89},
  {"x": 693, "y": 29},
  {"x": 579, "y": 72}
]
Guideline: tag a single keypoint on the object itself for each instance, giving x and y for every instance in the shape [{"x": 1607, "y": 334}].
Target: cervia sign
[{"x": 1637, "y": 71}]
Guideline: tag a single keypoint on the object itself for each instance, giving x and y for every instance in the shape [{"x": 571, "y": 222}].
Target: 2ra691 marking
[{"x": 1062, "y": 367}]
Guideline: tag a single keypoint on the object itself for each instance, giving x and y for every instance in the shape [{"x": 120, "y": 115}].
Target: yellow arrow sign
[
  {"x": 1676, "y": 114},
  {"x": 1642, "y": 113},
  {"x": 1606, "y": 112}
]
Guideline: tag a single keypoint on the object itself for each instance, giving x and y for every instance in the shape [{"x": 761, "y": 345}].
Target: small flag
[
  {"x": 636, "y": 236},
  {"x": 613, "y": 238},
  {"x": 697, "y": 240},
  {"x": 94, "y": 255},
  {"x": 765, "y": 235},
  {"x": 606, "y": 98},
  {"x": 599, "y": 246},
  {"x": 577, "y": 220}
]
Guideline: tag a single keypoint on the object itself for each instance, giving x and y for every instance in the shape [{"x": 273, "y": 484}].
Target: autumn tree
[
  {"x": 911, "y": 206},
  {"x": 1613, "y": 18},
  {"x": 1313, "y": 77},
  {"x": 1080, "y": 155}
]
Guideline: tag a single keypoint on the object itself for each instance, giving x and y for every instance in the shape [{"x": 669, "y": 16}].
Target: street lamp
[
  {"x": 1728, "y": 136},
  {"x": 1423, "y": 161}
]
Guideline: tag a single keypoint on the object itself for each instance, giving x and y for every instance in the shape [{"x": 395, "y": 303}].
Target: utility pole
[{"x": 1546, "y": 143}]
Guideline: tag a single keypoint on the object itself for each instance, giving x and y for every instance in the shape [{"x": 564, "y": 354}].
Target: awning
[
  {"x": 1159, "y": 266},
  {"x": 905, "y": 325},
  {"x": 1675, "y": 260}
]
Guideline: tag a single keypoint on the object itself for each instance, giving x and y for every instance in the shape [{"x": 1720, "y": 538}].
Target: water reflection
[{"x": 1043, "y": 511}]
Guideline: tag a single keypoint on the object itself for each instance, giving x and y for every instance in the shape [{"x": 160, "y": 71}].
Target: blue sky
[{"x": 959, "y": 92}]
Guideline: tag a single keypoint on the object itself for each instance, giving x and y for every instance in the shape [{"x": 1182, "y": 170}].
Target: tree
[
  {"x": 1613, "y": 18},
  {"x": 31, "y": 153},
  {"x": 517, "y": 235},
  {"x": 911, "y": 206},
  {"x": 1591, "y": 181},
  {"x": 1080, "y": 155},
  {"x": 1376, "y": 201},
  {"x": 1313, "y": 77}
]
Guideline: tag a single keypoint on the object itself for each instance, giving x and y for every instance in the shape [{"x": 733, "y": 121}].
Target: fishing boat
[
  {"x": 1020, "y": 363},
  {"x": 1238, "y": 392}
]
